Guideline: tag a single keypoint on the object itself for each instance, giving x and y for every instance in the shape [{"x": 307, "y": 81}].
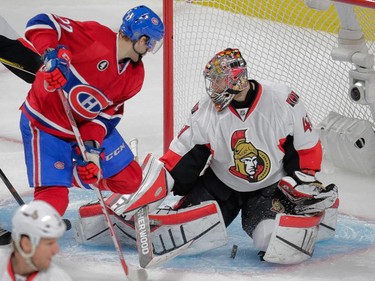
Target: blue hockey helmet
[{"x": 142, "y": 21}]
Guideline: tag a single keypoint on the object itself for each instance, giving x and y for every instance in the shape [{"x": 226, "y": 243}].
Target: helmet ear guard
[{"x": 225, "y": 76}]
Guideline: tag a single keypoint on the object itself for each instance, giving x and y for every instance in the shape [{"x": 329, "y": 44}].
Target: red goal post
[{"x": 282, "y": 40}]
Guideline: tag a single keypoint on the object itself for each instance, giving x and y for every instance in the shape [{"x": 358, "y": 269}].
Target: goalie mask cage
[{"x": 281, "y": 40}]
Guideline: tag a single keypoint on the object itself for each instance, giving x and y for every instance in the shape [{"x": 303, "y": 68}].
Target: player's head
[
  {"x": 36, "y": 221},
  {"x": 142, "y": 21},
  {"x": 225, "y": 76}
]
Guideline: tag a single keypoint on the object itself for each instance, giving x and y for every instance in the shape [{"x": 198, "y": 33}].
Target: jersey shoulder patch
[{"x": 292, "y": 99}]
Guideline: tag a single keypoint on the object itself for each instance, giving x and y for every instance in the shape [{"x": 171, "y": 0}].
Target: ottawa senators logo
[
  {"x": 277, "y": 207},
  {"x": 251, "y": 163}
]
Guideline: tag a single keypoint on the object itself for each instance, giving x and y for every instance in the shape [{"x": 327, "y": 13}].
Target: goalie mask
[{"x": 225, "y": 76}]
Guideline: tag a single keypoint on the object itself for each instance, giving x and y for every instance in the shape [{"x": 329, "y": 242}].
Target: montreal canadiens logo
[
  {"x": 87, "y": 101},
  {"x": 155, "y": 21}
]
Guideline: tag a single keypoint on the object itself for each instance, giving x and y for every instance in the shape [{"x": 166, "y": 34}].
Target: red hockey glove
[
  {"x": 57, "y": 62},
  {"x": 90, "y": 171},
  {"x": 309, "y": 194}
]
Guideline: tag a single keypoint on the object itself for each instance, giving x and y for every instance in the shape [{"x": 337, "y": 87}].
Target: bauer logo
[{"x": 103, "y": 65}]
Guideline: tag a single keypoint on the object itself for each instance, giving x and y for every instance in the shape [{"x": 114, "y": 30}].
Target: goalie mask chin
[{"x": 225, "y": 76}]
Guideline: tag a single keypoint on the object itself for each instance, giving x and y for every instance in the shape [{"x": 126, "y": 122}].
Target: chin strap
[
  {"x": 26, "y": 256},
  {"x": 140, "y": 55}
]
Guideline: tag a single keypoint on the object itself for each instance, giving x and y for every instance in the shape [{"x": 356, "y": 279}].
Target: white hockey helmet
[
  {"x": 225, "y": 76},
  {"x": 37, "y": 220}
]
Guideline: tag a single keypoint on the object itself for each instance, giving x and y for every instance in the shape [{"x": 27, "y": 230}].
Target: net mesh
[{"x": 281, "y": 40}]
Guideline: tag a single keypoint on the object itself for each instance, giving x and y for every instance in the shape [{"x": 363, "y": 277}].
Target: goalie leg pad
[
  {"x": 91, "y": 227},
  {"x": 293, "y": 239},
  {"x": 203, "y": 224},
  {"x": 198, "y": 228},
  {"x": 156, "y": 185},
  {"x": 327, "y": 227}
]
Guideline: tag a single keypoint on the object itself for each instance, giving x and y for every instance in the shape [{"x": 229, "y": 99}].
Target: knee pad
[{"x": 262, "y": 234}]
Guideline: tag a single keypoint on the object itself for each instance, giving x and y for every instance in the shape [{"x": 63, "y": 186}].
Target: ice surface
[{"x": 350, "y": 256}]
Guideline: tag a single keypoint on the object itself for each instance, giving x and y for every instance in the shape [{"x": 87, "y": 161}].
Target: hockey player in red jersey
[
  {"x": 259, "y": 153},
  {"x": 98, "y": 70}
]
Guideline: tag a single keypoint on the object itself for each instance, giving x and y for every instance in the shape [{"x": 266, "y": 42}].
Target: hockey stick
[
  {"x": 18, "y": 198},
  {"x": 142, "y": 223},
  {"x": 138, "y": 274},
  {"x": 15, "y": 65},
  {"x": 11, "y": 188},
  {"x": 147, "y": 256}
]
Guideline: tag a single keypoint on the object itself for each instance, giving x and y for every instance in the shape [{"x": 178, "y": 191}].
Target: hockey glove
[
  {"x": 90, "y": 171},
  {"x": 309, "y": 194},
  {"x": 57, "y": 62}
]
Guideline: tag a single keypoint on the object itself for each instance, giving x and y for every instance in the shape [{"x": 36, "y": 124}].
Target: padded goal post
[{"x": 281, "y": 40}]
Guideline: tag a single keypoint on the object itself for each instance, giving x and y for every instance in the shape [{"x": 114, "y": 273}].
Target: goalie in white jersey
[
  {"x": 36, "y": 228},
  {"x": 259, "y": 153},
  {"x": 248, "y": 147}
]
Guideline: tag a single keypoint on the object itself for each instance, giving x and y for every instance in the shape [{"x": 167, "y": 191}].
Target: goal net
[{"x": 281, "y": 40}]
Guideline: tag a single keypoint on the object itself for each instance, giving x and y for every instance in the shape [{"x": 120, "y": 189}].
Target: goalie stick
[
  {"x": 18, "y": 198},
  {"x": 146, "y": 253},
  {"x": 133, "y": 274},
  {"x": 141, "y": 222}
]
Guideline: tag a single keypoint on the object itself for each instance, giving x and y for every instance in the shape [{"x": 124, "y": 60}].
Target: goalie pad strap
[
  {"x": 184, "y": 217},
  {"x": 299, "y": 221}
]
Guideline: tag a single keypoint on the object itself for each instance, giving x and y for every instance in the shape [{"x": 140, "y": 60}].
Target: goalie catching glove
[
  {"x": 90, "y": 171},
  {"x": 309, "y": 194}
]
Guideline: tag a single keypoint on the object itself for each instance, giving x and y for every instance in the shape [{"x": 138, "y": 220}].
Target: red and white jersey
[
  {"x": 53, "y": 273},
  {"x": 97, "y": 87},
  {"x": 248, "y": 145}
]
